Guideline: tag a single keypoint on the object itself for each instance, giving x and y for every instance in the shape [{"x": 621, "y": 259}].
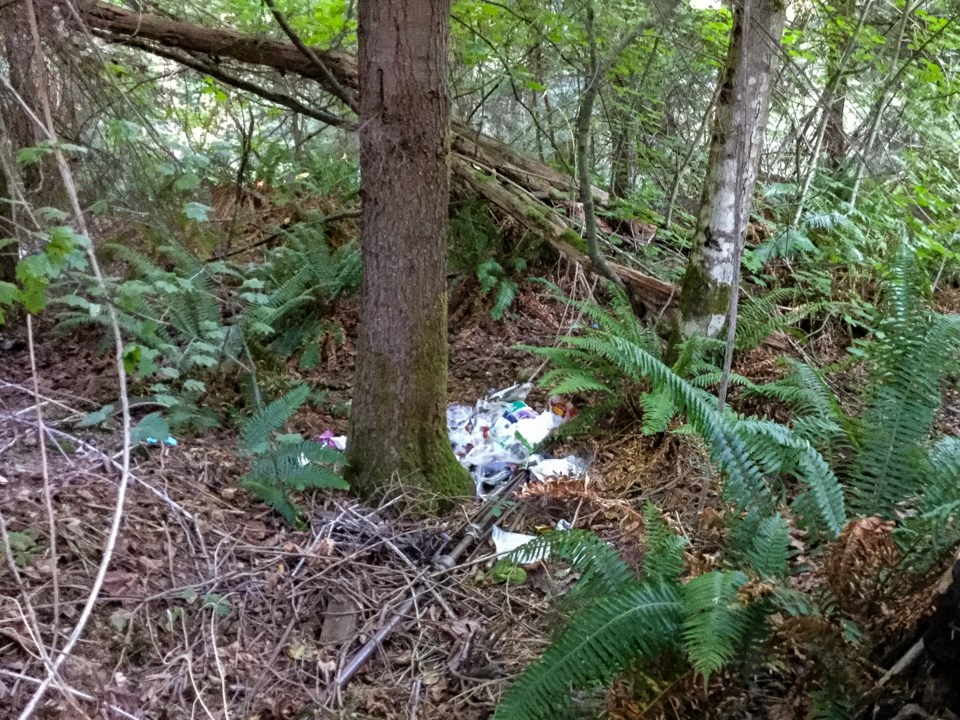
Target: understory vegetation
[{"x": 769, "y": 523}]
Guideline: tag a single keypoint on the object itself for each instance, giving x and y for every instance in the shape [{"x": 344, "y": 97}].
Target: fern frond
[
  {"x": 272, "y": 496},
  {"x": 140, "y": 263},
  {"x": 503, "y": 298},
  {"x": 256, "y": 431},
  {"x": 601, "y": 569},
  {"x": 744, "y": 480},
  {"x": 830, "y": 704},
  {"x": 810, "y": 468},
  {"x": 904, "y": 398},
  {"x": 714, "y": 620},
  {"x": 769, "y": 550},
  {"x": 663, "y": 548},
  {"x": 606, "y": 638},
  {"x": 658, "y": 411},
  {"x": 563, "y": 381}
]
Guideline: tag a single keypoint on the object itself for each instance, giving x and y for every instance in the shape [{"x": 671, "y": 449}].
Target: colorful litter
[{"x": 498, "y": 434}]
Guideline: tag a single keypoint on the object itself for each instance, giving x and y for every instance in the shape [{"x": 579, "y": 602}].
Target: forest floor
[{"x": 214, "y": 608}]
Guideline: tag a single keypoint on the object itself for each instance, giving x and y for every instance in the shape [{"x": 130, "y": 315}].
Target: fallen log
[
  {"x": 518, "y": 185},
  {"x": 654, "y": 294}
]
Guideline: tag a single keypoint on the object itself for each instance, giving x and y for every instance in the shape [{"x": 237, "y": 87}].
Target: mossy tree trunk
[
  {"x": 28, "y": 186},
  {"x": 398, "y": 419},
  {"x": 735, "y": 143}
]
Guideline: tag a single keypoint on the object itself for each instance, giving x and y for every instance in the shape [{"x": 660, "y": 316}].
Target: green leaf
[
  {"x": 258, "y": 429},
  {"x": 507, "y": 572},
  {"x": 98, "y": 417},
  {"x": 9, "y": 293},
  {"x": 33, "y": 154},
  {"x": 151, "y": 426},
  {"x": 187, "y": 182},
  {"x": 714, "y": 619},
  {"x": 132, "y": 355},
  {"x": 197, "y": 212},
  {"x": 217, "y": 603}
]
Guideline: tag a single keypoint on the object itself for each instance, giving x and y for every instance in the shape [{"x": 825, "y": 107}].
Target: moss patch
[
  {"x": 412, "y": 444},
  {"x": 573, "y": 238}
]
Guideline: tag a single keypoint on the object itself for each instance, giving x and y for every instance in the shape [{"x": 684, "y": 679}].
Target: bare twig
[
  {"x": 72, "y": 691},
  {"x": 47, "y": 495},
  {"x": 333, "y": 84},
  {"x": 71, "y": 190}
]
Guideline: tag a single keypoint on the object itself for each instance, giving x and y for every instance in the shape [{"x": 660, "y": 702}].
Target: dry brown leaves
[{"x": 864, "y": 550}]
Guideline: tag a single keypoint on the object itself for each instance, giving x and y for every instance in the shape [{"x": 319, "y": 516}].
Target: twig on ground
[
  {"x": 72, "y": 691},
  {"x": 47, "y": 495},
  {"x": 48, "y": 128}
]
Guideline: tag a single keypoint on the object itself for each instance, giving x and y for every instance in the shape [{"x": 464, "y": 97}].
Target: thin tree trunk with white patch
[{"x": 739, "y": 123}]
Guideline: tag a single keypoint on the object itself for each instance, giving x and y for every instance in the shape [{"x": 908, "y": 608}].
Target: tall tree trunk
[
  {"x": 737, "y": 139},
  {"x": 621, "y": 159},
  {"x": 38, "y": 182},
  {"x": 398, "y": 420},
  {"x": 20, "y": 56}
]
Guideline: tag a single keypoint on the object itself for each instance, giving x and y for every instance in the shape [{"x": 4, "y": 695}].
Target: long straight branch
[
  {"x": 213, "y": 71},
  {"x": 333, "y": 84}
]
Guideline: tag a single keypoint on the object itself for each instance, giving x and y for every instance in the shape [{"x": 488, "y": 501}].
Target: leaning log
[
  {"x": 518, "y": 185},
  {"x": 654, "y": 294}
]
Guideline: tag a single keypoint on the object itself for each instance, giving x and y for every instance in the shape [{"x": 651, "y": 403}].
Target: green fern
[
  {"x": 764, "y": 548},
  {"x": 283, "y": 464},
  {"x": 601, "y": 570},
  {"x": 904, "y": 398},
  {"x": 256, "y": 432},
  {"x": 503, "y": 298},
  {"x": 779, "y": 446},
  {"x": 296, "y": 288},
  {"x": 714, "y": 619},
  {"x": 663, "y": 548},
  {"x": 608, "y": 637},
  {"x": 618, "y": 355}
]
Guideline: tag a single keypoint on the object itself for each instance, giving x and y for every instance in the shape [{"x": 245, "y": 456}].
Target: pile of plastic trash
[{"x": 498, "y": 434}]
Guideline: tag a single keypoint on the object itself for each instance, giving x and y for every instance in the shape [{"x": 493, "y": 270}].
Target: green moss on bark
[
  {"x": 700, "y": 297},
  {"x": 415, "y": 447},
  {"x": 575, "y": 239}
]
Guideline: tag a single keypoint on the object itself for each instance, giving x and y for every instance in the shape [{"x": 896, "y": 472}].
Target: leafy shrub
[
  {"x": 477, "y": 250},
  {"x": 285, "y": 463},
  {"x": 292, "y": 294},
  {"x": 892, "y": 467}
]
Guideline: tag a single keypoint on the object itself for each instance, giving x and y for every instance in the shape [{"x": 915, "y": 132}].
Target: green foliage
[
  {"x": 663, "y": 548},
  {"x": 63, "y": 251},
  {"x": 285, "y": 463},
  {"x": 714, "y": 620},
  {"x": 477, "y": 249},
  {"x": 172, "y": 318},
  {"x": 629, "y": 620},
  {"x": 292, "y": 294},
  {"x": 577, "y": 367},
  {"x": 609, "y": 636},
  {"x": 885, "y": 455},
  {"x": 910, "y": 358}
]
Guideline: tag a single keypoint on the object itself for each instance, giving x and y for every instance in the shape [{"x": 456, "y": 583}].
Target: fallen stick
[{"x": 472, "y": 532}]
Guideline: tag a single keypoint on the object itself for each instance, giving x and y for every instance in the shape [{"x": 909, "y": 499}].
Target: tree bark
[
  {"x": 29, "y": 185},
  {"x": 741, "y": 115},
  {"x": 397, "y": 422},
  {"x": 20, "y": 56},
  {"x": 621, "y": 159}
]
